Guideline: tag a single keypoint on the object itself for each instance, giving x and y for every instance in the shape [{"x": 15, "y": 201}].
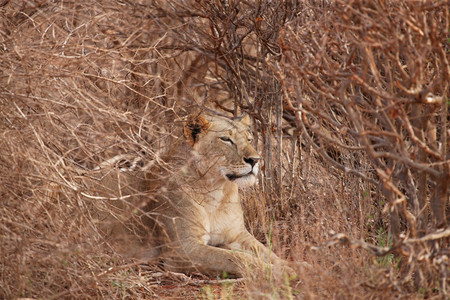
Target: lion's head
[{"x": 223, "y": 148}]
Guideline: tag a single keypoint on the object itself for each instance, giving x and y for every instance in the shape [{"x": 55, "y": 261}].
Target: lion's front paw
[
  {"x": 283, "y": 269},
  {"x": 303, "y": 265}
]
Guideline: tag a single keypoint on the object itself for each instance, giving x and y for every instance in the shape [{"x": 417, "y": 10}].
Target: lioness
[
  {"x": 197, "y": 214},
  {"x": 201, "y": 214}
]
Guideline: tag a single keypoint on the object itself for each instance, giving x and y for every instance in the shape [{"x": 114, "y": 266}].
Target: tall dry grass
[{"x": 350, "y": 102}]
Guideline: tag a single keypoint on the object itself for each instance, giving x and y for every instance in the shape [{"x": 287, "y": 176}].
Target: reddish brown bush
[{"x": 351, "y": 106}]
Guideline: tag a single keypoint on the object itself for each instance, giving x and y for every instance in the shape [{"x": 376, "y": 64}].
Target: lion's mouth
[{"x": 232, "y": 177}]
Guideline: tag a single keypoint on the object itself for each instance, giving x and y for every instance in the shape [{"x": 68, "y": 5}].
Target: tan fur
[
  {"x": 201, "y": 214},
  {"x": 194, "y": 212}
]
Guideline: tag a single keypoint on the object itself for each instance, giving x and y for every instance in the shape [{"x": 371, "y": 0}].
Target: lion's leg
[
  {"x": 212, "y": 260},
  {"x": 249, "y": 243}
]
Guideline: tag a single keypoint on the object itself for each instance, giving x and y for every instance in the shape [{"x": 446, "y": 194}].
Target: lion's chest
[{"x": 223, "y": 220}]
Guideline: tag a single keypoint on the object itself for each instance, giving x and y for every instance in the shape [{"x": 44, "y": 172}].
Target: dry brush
[{"x": 350, "y": 102}]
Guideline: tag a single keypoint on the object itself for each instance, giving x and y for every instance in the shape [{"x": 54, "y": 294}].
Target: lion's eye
[{"x": 226, "y": 139}]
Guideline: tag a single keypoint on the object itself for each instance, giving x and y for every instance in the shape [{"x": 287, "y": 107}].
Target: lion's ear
[
  {"x": 246, "y": 120},
  {"x": 194, "y": 127}
]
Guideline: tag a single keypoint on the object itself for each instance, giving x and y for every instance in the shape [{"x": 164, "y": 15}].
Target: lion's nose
[{"x": 252, "y": 160}]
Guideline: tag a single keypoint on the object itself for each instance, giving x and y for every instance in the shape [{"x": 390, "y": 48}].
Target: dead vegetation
[{"x": 351, "y": 106}]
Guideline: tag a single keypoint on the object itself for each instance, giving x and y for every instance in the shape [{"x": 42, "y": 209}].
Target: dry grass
[{"x": 83, "y": 81}]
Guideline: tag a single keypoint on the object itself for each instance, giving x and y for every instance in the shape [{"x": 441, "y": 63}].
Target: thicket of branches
[
  {"x": 364, "y": 83},
  {"x": 351, "y": 110}
]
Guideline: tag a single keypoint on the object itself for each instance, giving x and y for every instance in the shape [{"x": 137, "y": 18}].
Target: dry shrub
[
  {"x": 351, "y": 107},
  {"x": 79, "y": 85},
  {"x": 367, "y": 85}
]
